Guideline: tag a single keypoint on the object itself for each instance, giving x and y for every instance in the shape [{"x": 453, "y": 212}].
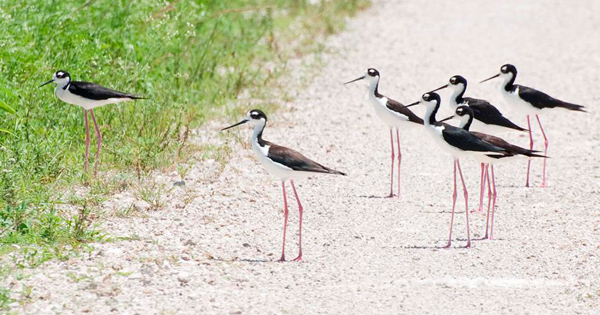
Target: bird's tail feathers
[{"x": 570, "y": 106}]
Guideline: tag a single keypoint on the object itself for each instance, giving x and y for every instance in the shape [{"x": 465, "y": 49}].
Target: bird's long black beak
[
  {"x": 492, "y": 77},
  {"x": 234, "y": 125},
  {"x": 412, "y": 104},
  {"x": 50, "y": 81},
  {"x": 441, "y": 87},
  {"x": 364, "y": 76},
  {"x": 447, "y": 118}
]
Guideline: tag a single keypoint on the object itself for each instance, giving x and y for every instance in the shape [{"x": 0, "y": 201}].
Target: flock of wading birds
[{"x": 461, "y": 141}]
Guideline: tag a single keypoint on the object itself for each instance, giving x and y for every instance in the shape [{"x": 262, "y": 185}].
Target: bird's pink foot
[
  {"x": 468, "y": 244},
  {"x": 299, "y": 258},
  {"x": 282, "y": 259},
  {"x": 448, "y": 245},
  {"x": 391, "y": 195}
]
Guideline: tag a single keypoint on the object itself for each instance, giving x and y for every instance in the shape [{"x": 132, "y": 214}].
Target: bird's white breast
[
  {"x": 389, "y": 117},
  {"x": 513, "y": 99},
  {"x": 276, "y": 169},
  {"x": 438, "y": 138}
]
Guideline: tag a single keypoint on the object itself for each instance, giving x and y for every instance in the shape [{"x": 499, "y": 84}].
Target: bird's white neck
[
  {"x": 429, "y": 117},
  {"x": 258, "y": 130},
  {"x": 373, "y": 87},
  {"x": 457, "y": 94},
  {"x": 508, "y": 81},
  {"x": 464, "y": 120}
]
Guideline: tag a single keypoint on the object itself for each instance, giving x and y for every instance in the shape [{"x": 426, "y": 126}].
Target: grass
[{"x": 189, "y": 58}]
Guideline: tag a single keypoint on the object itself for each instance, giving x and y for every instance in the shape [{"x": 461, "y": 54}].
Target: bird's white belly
[
  {"x": 513, "y": 99},
  {"x": 275, "y": 169},
  {"x": 70, "y": 98},
  {"x": 390, "y": 118}
]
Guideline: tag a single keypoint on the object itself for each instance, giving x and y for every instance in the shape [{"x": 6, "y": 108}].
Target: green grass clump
[{"x": 189, "y": 58}]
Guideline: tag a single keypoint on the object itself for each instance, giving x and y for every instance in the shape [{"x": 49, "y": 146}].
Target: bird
[
  {"x": 487, "y": 118},
  {"x": 459, "y": 143},
  {"x": 283, "y": 163},
  {"x": 88, "y": 96},
  {"x": 466, "y": 115},
  {"x": 529, "y": 101},
  {"x": 393, "y": 114}
]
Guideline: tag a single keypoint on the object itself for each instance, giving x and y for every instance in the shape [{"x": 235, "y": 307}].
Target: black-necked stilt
[
  {"x": 393, "y": 114},
  {"x": 284, "y": 163},
  {"x": 487, "y": 118},
  {"x": 530, "y": 102},
  {"x": 466, "y": 115},
  {"x": 89, "y": 96},
  {"x": 459, "y": 143}
]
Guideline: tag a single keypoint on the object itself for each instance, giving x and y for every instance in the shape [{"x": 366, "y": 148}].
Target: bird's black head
[
  {"x": 508, "y": 68},
  {"x": 372, "y": 75},
  {"x": 61, "y": 74},
  {"x": 463, "y": 111},
  {"x": 431, "y": 97},
  {"x": 372, "y": 72},
  {"x": 257, "y": 114},
  {"x": 458, "y": 79},
  {"x": 60, "y": 78},
  {"x": 256, "y": 117}
]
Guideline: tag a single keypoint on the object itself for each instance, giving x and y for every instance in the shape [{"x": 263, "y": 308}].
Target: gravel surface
[{"x": 213, "y": 247}]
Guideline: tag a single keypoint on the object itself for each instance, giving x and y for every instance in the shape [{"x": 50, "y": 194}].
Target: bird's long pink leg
[
  {"x": 453, "y": 204},
  {"x": 392, "y": 171},
  {"x": 99, "y": 137},
  {"x": 300, "y": 210},
  {"x": 285, "y": 220},
  {"x": 466, "y": 203},
  {"x": 493, "y": 204},
  {"x": 530, "y": 148},
  {"x": 545, "y": 151},
  {"x": 399, "y": 159},
  {"x": 487, "y": 221},
  {"x": 87, "y": 139},
  {"x": 482, "y": 188}
]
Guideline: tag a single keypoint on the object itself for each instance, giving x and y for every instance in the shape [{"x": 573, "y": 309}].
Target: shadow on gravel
[
  {"x": 376, "y": 197},
  {"x": 246, "y": 260}
]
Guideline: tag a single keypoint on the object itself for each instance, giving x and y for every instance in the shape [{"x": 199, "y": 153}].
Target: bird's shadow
[
  {"x": 245, "y": 260},
  {"x": 376, "y": 197}
]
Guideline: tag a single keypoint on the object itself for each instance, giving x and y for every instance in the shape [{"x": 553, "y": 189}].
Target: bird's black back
[
  {"x": 542, "y": 100},
  {"x": 466, "y": 141},
  {"x": 97, "y": 92},
  {"x": 489, "y": 114}
]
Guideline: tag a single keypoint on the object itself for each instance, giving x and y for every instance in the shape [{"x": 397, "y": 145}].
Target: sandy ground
[{"x": 212, "y": 249}]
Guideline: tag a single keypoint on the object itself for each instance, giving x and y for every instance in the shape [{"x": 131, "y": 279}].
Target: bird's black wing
[
  {"x": 401, "y": 109},
  {"x": 97, "y": 92},
  {"x": 466, "y": 141},
  {"x": 501, "y": 143},
  {"x": 489, "y": 114},
  {"x": 542, "y": 100},
  {"x": 297, "y": 161}
]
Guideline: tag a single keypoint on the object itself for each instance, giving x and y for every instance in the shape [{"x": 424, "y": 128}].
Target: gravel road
[{"x": 213, "y": 247}]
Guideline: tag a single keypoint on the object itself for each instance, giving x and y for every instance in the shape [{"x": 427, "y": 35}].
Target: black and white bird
[
  {"x": 393, "y": 114},
  {"x": 465, "y": 115},
  {"x": 529, "y": 102},
  {"x": 89, "y": 96},
  {"x": 459, "y": 143},
  {"x": 284, "y": 163},
  {"x": 487, "y": 118}
]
